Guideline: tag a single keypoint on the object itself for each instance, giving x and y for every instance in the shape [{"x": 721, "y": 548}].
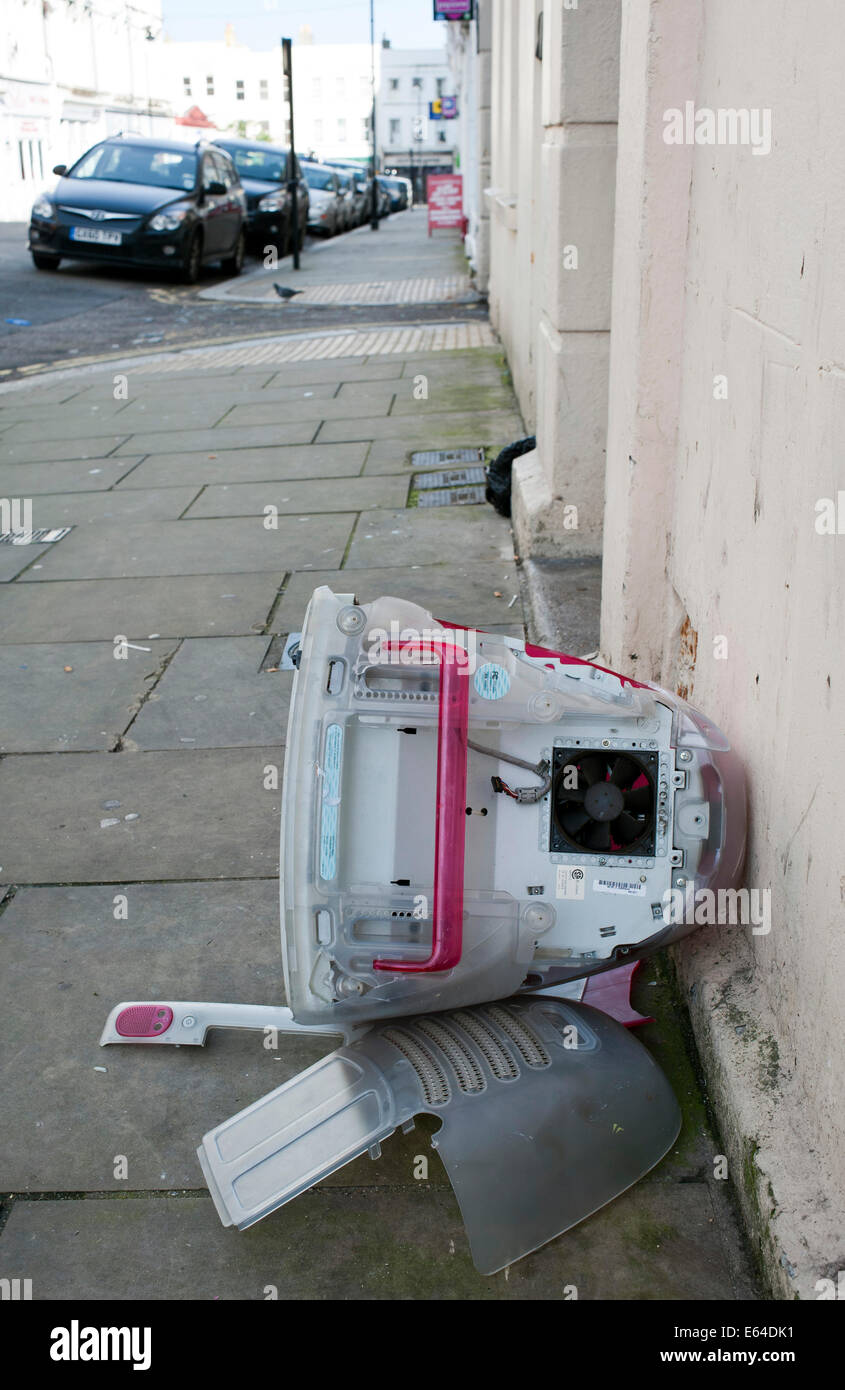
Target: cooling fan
[{"x": 603, "y": 801}]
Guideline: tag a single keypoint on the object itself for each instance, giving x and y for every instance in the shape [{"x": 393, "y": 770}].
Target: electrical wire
[{"x": 526, "y": 796}]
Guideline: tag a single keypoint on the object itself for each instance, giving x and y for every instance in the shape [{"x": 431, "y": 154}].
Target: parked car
[
  {"x": 350, "y": 212},
  {"x": 325, "y": 207},
  {"x": 364, "y": 189},
  {"x": 264, "y": 171},
  {"x": 135, "y": 201},
  {"x": 383, "y": 196},
  {"x": 397, "y": 190}
]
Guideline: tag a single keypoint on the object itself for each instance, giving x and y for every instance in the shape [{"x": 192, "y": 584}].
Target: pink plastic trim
[
  {"x": 450, "y": 812},
  {"x": 144, "y": 1020}
]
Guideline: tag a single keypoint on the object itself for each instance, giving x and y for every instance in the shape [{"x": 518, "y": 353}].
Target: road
[{"x": 83, "y": 310}]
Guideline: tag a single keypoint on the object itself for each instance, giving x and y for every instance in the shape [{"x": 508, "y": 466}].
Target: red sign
[{"x": 445, "y": 201}]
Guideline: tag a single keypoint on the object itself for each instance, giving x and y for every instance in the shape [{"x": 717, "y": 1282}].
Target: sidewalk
[{"x": 143, "y": 779}]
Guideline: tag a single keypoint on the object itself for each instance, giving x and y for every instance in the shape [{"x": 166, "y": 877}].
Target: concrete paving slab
[
  {"x": 335, "y": 370},
  {"x": 115, "y": 508},
  {"x": 143, "y": 380},
  {"x": 442, "y": 430},
  {"x": 14, "y": 412},
  {"x": 320, "y": 495},
  {"x": 654, "y": 1243},
  {"x": 42, "y": 451},
  {"x": 184, "y": 441},
  {"x": 14, "y": 559},
  {"x": 250, "y": 465},
  {"x": 460, "y": 592},
  {"x": 143, "y": 407},
  {"x": 90, "y": 610},
  {"x": 460, "y": 396},
  {"x": 199, "y": 547},
  {"x": 201, "y": 814},
  {"x": 72, "y": 475},
  {"x": 350, "y": 408},
  {"x": 215, "y": 695},
  {"x": 419, "y": 536},
  {"x": 72, "y": 695},
  {"x": 89, "y": 422},
  {"x": 67, "y": 961}
]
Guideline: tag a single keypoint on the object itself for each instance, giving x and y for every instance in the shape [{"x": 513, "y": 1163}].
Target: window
[
  {"x": 440, "y": 84},
  {"x": 366, "y": 129},
  {"x": 186, "y": 83},
  {"x": 394, "y": 84},
  {"x": 395, "y": 131},
  {"x": 239, "y": 91},
  {"x": 341, "y": 129},
  {"x": 263, "y": 89},
  {"x": 209, "y": 86},
  {"x": 417, "y": 82},
  {"x": 441, "y": 136}
]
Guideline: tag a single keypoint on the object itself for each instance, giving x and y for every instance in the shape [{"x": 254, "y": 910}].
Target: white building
[
  {"x": 242, "y": 91},
  {"x": 411, "y": 141},
  {"x": 71, "y": 72}
]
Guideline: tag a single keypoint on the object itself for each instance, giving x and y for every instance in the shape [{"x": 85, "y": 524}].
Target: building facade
[
  {"x": 243, "y": 90},
  {"x": 662, "y": 218},
  {"x": 71, "y": 72}
]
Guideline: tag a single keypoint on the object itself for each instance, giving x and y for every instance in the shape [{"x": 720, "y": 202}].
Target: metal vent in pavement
[
  {"x": 449, "y": 477},
  {"x": 430, "y": 458},
  {"x": 451, "y": 497},
  {"x": 44, "y": 535}
]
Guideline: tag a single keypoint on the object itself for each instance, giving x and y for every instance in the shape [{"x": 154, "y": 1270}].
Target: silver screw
[
  {"x": 681, "y": 882},
  {"x": 188, "y": 1021},
  {"x": 685, "y": 756}
]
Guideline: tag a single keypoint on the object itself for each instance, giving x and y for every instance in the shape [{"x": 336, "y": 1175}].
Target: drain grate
[
  {"x": 451, "y": 497},
  {"x": 431, "y": 458},
  {"x": 449, "y": 477},
  {"x": 44, "y": 535}
]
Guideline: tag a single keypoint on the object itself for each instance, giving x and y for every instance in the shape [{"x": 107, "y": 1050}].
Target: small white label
[
  {"x": 570, "y": 882},
  {"x": 631, "y": 888}
]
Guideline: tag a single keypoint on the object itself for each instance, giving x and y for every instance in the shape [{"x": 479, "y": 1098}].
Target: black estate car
[
  {"x": 264, "y": 171},
  {"x": 142, "y": 202}
]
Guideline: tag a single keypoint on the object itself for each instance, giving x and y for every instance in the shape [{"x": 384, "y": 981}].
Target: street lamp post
[
  {"x": 292, "y": 180},
  {"x": 374, "y": 200}
]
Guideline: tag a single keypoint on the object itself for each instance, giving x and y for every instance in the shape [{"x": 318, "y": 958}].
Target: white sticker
[
  {"x": 570, "y": 882},
  {"x": 631, "y": 889}
]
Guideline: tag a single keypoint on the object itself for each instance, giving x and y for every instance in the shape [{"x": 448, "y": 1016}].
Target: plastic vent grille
[
  {"x": 500, "y": 1061},
  {"x": 524, "y": 1039},
  {"x": 431, "y": 1075},
  {"x": 458, "y": 1055}
]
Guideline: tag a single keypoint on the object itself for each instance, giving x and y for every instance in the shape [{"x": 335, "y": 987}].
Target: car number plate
[{"x": 95, "y": 234}]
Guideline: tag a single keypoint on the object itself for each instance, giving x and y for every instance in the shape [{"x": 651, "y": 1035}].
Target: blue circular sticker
[{"x": 492, "y": 681}]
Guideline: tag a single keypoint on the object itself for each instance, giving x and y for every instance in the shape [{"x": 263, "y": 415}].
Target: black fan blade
[
  {"x": 638, "y": 800},
  {"x": 598, "y": 836},
  {"x": 626, "y": 829},
  {"x": 564, "y": 794},
  {"x": 624, "y": 772},
  {"x": 592, "y": 770},
  {"x": 574, "y": 820}
]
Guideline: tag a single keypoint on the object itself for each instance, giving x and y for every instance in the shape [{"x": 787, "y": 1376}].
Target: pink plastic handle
[{"x": 450, "y": 823}]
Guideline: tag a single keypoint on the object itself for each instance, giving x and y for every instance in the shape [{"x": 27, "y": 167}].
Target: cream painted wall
[{"x": 731, "y": 265}]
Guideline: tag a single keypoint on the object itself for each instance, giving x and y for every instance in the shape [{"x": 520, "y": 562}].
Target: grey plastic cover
[{"x": 549, "y": 1110}]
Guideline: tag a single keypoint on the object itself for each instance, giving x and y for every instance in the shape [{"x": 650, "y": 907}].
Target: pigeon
[{"x": 283, "y": 292}]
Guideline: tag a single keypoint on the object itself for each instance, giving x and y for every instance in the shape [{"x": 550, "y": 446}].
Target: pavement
[{"x": 140, "y": 846}]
